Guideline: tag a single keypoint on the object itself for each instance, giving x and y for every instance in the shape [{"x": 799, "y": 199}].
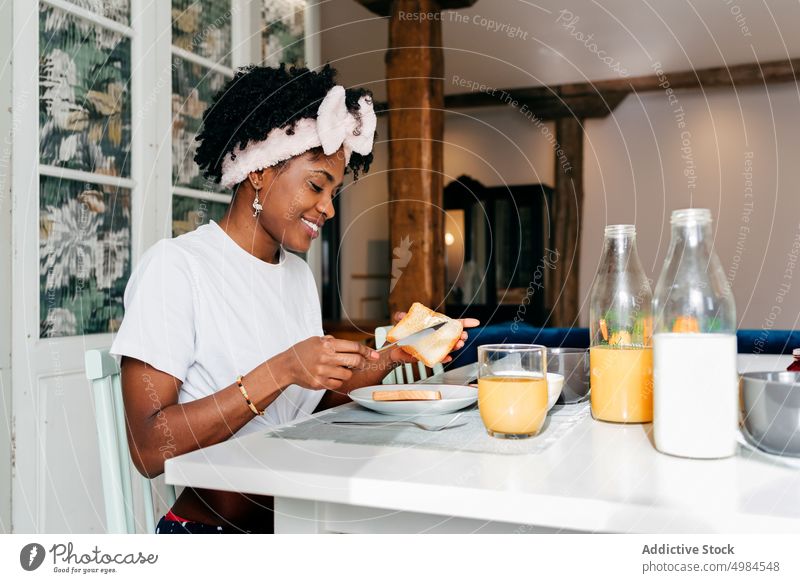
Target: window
[
  {"x": 87, "y": 126},
  {"x": 202, "y": 62},
  {"x": 201, "y": 65},
  {"x": 84, "y": 165},
  {"x": 283, "y": 36}
]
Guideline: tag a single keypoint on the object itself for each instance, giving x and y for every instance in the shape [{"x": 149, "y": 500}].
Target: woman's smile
[{"x": 313, "y": 228}]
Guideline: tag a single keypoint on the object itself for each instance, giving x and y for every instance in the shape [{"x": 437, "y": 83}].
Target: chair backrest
[
  {"x": 103, "y": 372},
  {"x": 397, "y": 376}
]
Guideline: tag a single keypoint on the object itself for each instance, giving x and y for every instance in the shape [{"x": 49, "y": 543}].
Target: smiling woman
[{"x": 222, "y": 333}]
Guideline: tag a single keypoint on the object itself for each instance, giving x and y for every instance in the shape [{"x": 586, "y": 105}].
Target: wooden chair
[
  {"x": 103, "y": 372},
  {"x": 397, "y": 376}
]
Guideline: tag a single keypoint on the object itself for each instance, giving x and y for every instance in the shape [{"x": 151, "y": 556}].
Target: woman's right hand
[{"x": 325, "y": 362}]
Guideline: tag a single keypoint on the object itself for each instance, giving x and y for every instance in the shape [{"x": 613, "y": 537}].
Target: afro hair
[{"x": 260, "y": 99}]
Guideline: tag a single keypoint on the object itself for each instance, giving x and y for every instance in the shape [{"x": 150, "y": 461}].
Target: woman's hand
[
  {"x": 400, "y": 355},
  {"x": 374, "y": 371},
  {"x": 325, "y": 362}
]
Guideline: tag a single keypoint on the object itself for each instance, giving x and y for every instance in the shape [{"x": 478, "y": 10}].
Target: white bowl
[{"x": 555, "y": 382}]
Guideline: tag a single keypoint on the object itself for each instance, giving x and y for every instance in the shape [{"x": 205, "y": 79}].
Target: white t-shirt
[{"x": 205, "y": 311}]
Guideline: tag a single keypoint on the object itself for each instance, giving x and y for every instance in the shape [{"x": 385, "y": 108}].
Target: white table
[{"x": 599, "y": 478}]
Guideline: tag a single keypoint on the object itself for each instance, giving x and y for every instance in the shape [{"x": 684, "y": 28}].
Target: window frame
[
  {"x": 52, "y": 367},
  {"x": 246, "y": 48}
]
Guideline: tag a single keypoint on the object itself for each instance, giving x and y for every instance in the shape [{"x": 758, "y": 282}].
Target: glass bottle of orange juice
[{"x": 620, "y": 324}]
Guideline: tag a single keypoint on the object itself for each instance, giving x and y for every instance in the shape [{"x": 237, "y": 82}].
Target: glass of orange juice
[{"x": 512, "y": 389}]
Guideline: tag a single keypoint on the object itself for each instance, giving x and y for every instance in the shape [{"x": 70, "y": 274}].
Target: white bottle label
[{"x": 695, "y": 388}]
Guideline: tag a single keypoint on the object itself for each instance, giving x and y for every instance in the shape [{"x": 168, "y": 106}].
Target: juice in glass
[
  {"x": 512, "y": 405},
  {"x": 622, "y": 383}
]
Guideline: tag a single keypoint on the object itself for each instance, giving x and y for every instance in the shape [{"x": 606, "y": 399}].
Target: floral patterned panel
[
  {"x": 189, "y": 213},
  {"x": 84, "y": 256},
  {"x": 193, "y": 89},
  {"x": 283, "y": 38},
  {"x": 119, "y": 10},
  {"x": 84, "y": 112},
  {"x": 203, "y": 27}
]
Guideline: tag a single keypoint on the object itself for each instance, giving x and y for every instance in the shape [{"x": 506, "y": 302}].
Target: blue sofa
[{"x": 749, "y": 341}]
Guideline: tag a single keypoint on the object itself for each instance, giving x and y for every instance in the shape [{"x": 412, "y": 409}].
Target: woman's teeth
[{"x": 313, "y": 226}]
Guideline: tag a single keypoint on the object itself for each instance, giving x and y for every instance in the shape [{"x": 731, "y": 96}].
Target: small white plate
[{"x": 454, "y": 397}]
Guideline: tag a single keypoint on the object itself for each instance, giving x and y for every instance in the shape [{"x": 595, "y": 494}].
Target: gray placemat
[{"x": 471, "y": 436}]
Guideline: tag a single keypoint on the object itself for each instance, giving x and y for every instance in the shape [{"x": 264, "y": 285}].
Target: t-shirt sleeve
[{"x": 159, "y": 322}]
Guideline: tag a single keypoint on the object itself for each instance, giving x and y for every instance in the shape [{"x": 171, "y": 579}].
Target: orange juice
[
  {"x": 513, "y": 405},
  {"x": 622, "y": 383}
]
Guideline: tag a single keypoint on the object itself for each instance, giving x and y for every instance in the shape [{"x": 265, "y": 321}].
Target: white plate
[{"x": 454, "y": 397}]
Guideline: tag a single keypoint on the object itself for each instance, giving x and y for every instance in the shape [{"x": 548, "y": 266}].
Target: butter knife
[{"x": 413, "y": 338}]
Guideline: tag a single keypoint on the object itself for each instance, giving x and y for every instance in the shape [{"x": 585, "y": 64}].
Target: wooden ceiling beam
[
  {"x": 544, "y": 108},
  {"x": 599, "y": 98},
  {"x": 546, "y": 105},
  {"x": 784, "y": 71}
]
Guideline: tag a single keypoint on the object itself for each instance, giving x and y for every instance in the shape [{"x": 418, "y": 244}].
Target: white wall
[
  {"x": 353, "y": 40},
  {"x": 633, "y": 164},
  {"x": 5, "y": 267},
  {"x": 497, "y": 146},
  {"x": 635, "y": 173},
  {"x": 364, "y": 217}
]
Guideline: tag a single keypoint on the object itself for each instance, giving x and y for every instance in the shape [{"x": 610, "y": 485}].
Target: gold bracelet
[{"x": 247, "y": 397}]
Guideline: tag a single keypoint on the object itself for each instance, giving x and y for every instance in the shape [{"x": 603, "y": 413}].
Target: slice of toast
[
  {"x": 434, "y": 348},
  {"x": 406, "y": 396}
]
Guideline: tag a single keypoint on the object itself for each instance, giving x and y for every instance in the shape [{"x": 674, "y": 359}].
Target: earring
[{"x": 257, "y": 205}]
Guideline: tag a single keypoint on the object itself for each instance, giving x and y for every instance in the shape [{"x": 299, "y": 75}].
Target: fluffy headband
[{"x": 335, "y": 127}]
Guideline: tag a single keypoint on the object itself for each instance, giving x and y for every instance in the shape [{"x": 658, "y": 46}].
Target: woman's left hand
[{"x": 400, "y": 355}]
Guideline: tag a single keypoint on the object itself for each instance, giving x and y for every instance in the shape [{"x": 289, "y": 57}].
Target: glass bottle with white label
[{"x": 694, "y": 346}]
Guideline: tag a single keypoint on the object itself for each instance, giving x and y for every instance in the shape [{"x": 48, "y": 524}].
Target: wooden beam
[
  {"x": 414, "y": 72},
  {"x": 786, "y": 71},
  {"x": 546, "y": 108},
  {"x": 599, "y": 98},
  {"x": 544, "y": 103},
  {"x": 384, "y": 7},
  {"x": 561, "y": 290}
]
